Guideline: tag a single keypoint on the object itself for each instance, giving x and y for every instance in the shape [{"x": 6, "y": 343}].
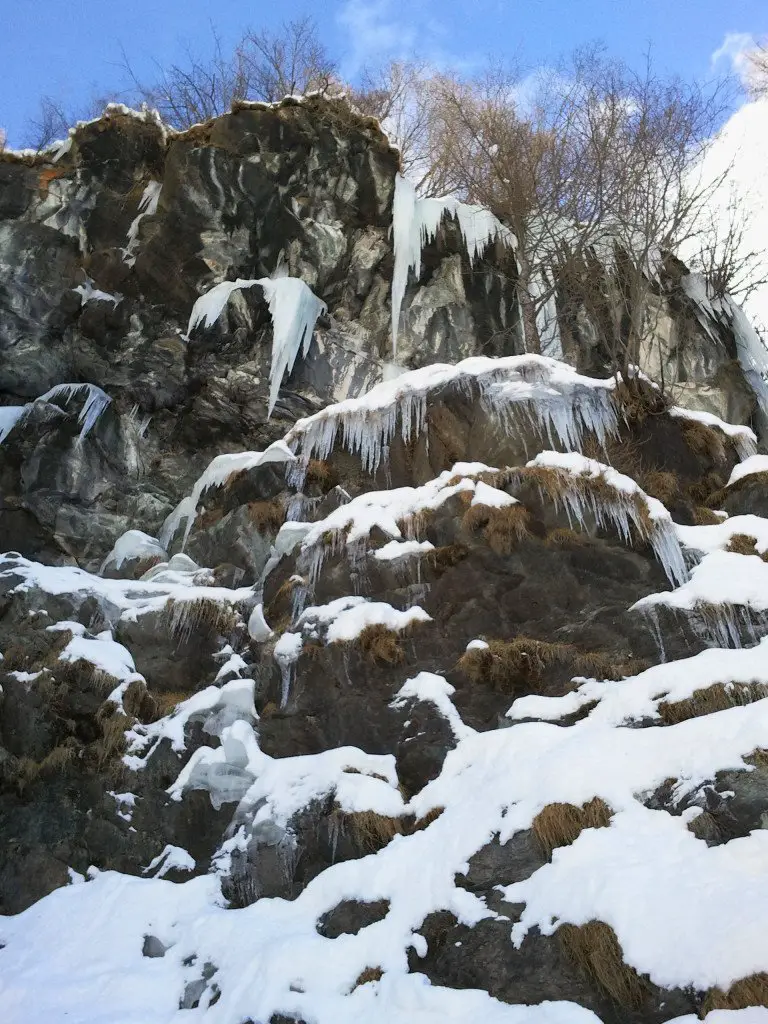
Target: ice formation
[
  {"x": 96, "y": 401},
  {"x": 88, "y": 293},
  {"x": 294, "y": 309},
  {"x": 631, "y": 506},
  {"x": 415, "y": 221},
  {"x": 725, "y": 598},
  {"x": 750, "y": 348},
  {"x": 133, "y": 545},
  {"x": 147, "y": 208},
  {"x": 217, "y": 473},
  {"x": 744, "y": 439},
  {"x": 543, "y": 393},
  {"x": 286, "y": 654}
]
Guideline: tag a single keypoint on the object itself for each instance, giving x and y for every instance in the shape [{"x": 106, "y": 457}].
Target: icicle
[
  {"x": 416, "y": 221},
  {"x": 218, "y": 472},
  {"x": 286, "y": 654},
  {"x": 294, "y": 309},
  {"x": 147, "y": 208},
  {"x": 95, "y": 403}
]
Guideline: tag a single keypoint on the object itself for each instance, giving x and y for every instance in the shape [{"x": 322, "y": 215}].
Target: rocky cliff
[{"x": 436, "y": 693}]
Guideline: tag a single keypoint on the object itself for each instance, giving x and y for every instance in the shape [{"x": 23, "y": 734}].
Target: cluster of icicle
[
  {"x": 521, "y": 390},
  {"x": 415, "y": 221},
  {"x": 629, "y": 506},
  {"x": 94, "y": 404},
  {"x": 294, "y": 309},
  {"x": 217, "y": 474}
]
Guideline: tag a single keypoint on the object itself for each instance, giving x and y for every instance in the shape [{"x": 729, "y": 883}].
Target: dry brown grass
[
  {"x": 208, "y": 518},
  {"x": 503, "y": 528},
  {"x": 443, "y": 558},
  {"x": 751, "y": 991},
  {"x": 380, "y": 644},
  {"x": 266, "y": 516},
  {"x": 521, "y": 663},
  {"x": 708, "y": 489},
  {"x": 367, "y": 975},
  {"x": 661, "y": 484},
  {"x": 745, "y": 544},
  {"x": 557, "y": 485},
  {"x": 201, "y": 615},
  {"x": 113, "y": 725},
  {"x": 144, "y": 565},
  {"x": 636, "y": 400},
  {"x": 414, "y": 526},
  {"x": 419, "y": 824},
  {"x": 138, "y": 702},
  {"x": 703, "y": 516},
  {"x": 710, "y": 699},
  {"x": 35, "y": 651},
  {"x": 704, "y": 441},
  {"x": 321, "y": 473},
  {"x": 368, "y": 830},
  {"x": 561, "y": 824},
  {"x": 759, "y": 758},
  {"x": 594, "y": 948},
  {"x": 281, "y": 604},
  {"x": 166, "y": 701}
]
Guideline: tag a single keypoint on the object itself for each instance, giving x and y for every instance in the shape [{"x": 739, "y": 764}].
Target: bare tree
[
  {"x": 289, "y": 62},
  {"x": 262, "y": 66},
  {"x": 403, "y": 96},
  {"x": 594, "y": 168},
  {"x": 53, "y": 120}
]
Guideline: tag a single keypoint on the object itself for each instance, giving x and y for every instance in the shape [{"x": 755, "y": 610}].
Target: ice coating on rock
[
  {"x": 415, "y": 221},
  {"x": 294, "y": 309},
  {"x": 544, "y": 393},
  {"x": 217, "y": 473}
]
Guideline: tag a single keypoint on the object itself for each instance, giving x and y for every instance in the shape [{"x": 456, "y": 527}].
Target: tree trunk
[{"x": 531, "y": 339}]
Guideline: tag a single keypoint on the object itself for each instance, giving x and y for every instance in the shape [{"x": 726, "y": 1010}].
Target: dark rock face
[{"x": 154, "y": 221}]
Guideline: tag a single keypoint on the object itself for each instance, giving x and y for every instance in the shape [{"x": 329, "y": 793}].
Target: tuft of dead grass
[
  {"x": 745, "y": 544},
  {"x": 751, "y": 991},
  {"x": 443, "y": 558},
  {"x": 380, "y": 644},
  {"x": 368, "y": 830},
  {"x": 321, "y": 473},
  {"x": 595, "y": 949},
  {"x": 414, "y": 526},
  {"x": 561, "y": 824},
  {"x": 503, "y": 528},
  {"x": 138, "y": 702},
  {"x": 710, "y": 699},
  {"x": 266, "y": 516},
  {"x": 521, "y": 663},
  {"x": 703, "y": 516},
  {"x": 419, "y": 824},
  {"x": 367, "y": 975},
  {"x": 636, "y": 400},
  {"x": 183, "y": 618},
  {"x": 166, "y": 701},
  {"x": 661, "y": 484},
  {"x": 113, "y": 724},
  {"x": 704, "y": 441}
]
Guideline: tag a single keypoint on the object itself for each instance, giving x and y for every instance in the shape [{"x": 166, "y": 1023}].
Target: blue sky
[{"x": 71, "y": 49}]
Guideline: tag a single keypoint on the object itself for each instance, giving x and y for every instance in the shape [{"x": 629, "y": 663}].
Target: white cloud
[
  {"x": 376, "y": 32},
  {"x": 734, "y": 49}
]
